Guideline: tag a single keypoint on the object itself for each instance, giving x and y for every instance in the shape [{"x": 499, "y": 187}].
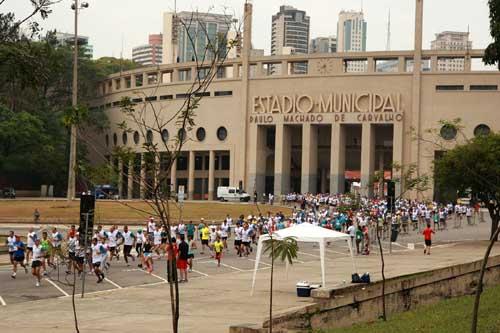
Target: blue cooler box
[{"x": 303, "y": 289}]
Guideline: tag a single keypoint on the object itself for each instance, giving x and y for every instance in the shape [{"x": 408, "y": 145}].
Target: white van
[{"x": 225, "y": 193}]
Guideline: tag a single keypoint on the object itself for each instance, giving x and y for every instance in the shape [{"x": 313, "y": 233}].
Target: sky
[{"x": 113, "y": 23}]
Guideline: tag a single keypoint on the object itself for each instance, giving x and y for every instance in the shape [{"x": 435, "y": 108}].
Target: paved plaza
[{"x": 215, "y": 297}]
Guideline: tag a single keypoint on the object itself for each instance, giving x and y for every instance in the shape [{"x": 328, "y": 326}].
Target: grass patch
[
  {"x": 130, "y": 211},
  {"x": 449, "y": 316}
]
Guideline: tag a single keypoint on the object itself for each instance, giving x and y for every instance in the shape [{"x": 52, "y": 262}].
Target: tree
[
  {"x": 409, "y": 181},
  {"x": 150, "y": 120},
  {"x": 492, "y": 52},
  {"x": 284, "y": 250},
  {"x": 475, "y": 167}
]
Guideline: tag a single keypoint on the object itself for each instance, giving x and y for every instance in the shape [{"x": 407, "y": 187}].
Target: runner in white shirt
[
  {"x": 11, "y": 239},
  {"x": 224, "y": 233},
  {"x": 140, "y": 240},
  {"x": 56, "y": 245},
  {"x": 36, "y": 262},
  {"x": 157, "y": 241},
  {"x": 97, "y": 252},
  {"x": 128, "y": 243},
  {"x": 30, "y": 238},
  {"x": 246, "y": 239},
  {"x": 151, "y": 226},
  {"x": 238, "y": 235},
  {"x": 113, "y": 235}
]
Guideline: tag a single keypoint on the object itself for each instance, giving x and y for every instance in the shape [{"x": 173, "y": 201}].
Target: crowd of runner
[{"x": 150, "y": 243}]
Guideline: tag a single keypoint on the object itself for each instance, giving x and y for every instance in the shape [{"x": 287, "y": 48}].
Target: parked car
[
  {"x": 9, "y": 192},
  {"x": 106, "y": 192},
  {"x": 225, "y": 193}
]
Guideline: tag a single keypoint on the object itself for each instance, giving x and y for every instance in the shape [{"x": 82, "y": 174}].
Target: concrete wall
[{"x": 363, "y": 303}]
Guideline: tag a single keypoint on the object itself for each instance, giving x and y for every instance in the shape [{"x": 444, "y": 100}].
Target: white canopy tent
[{"x": 306, "y": 232}]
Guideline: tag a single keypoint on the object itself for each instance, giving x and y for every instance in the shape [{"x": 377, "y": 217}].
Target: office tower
[
  {"x": 151, "y": 53},
  {"x": 191, "y": 35},
  {"x": 451, "y": 41}
]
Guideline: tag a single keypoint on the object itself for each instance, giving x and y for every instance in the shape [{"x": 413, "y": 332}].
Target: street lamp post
[{"x": 74, "y": 103}]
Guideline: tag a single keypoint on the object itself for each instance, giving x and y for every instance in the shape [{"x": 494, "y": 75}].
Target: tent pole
[
  {"x": 349, "y": 242},
  {"x": 257, "y": 260},
  {"x": 322, "y": 258}
]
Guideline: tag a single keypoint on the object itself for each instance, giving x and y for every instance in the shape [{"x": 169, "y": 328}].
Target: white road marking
[
  {"x": 198, "y": 272},
  {"x": 157, "y": 276},
  {"x": 56, "y": 286},
  {"x": 114, "y": 284},
  {"x": 308, "y": 254},
  {"x": 263, "y": 263},
  {"x": 2, "y": 301},
  {"x": 222, "y": 264}
]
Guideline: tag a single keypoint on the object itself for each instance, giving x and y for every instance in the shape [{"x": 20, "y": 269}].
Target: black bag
[
  {"x": 356, "y": 278},
  {"x": 365, "y": 278}
]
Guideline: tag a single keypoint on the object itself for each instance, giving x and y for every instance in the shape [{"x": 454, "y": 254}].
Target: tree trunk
[
  {"x": 271, "y": 289},
  {"x": 384, "y": 317},
  {"x": 481, "y": 276}
]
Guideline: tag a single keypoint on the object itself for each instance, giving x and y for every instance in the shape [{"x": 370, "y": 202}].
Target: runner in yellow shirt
[
  {"x": 205, "y": 236},
  {"x": 218, "y": 248}
]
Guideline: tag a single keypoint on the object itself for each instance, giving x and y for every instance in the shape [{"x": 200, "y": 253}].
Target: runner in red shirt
[{"x": 428, "y": 239}]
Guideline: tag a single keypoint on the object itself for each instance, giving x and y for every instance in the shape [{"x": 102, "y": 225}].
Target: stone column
[
  {"x": 282, "y": 160},
  {"x": 397, "y": 153},
  {"x": 211, "y": 175},
  {"x": 257, "y": 160},
  {"x": 191, "y": 175},
  {"x": 367, "y": 158},
  {"x": 417, "y": 84},
  {"x": 309, "y": 158},
  {"x": 337, "y": 159},
  {"x": 323, "y": 181},
  {"x": 130, "y": 179},
  {"x": 173, "y": 176},
  {"x": 120, "y": 177},
  {"x": 142, "y": 182}
]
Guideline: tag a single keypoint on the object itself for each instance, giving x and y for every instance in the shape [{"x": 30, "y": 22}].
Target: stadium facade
[{"x": 286, "y": 130}]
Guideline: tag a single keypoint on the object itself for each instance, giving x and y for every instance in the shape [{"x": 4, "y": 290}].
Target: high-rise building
[
  {"x": 323, "y": 45},
  {"x": 351, "y": 37},
  {"x": 151, "y": 53},
  {"x": 451, "y": 41},
  {"x": 191, "y": 35},
  {"x": 290, "y": 28},
  {"x": 67, "y": 39}
]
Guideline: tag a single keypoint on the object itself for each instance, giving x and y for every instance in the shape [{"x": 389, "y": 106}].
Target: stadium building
[{"x": 321, "y": 130}]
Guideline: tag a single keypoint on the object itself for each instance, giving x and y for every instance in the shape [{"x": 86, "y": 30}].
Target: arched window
[
  {"x": 200, "y": 134},
  {"x": 448, "y": 132},
  {"x": 136, "y": 137},
  {"x": 124, "y": 138},
  {"x": 482, "y": 129},
  {"x": 149, "y": 136},
  {"x": 164, "y": 135},
  {"x": 222, "y": 133}
]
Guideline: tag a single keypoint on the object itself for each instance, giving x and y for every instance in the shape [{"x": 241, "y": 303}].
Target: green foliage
[
  {"x": 283, "y": 249},
  {"x": 474, "y": 167},
  {"x": 449, "y": 316},
  {"x": 36, "y": 79},
  {"x": 492, "y": 52}
]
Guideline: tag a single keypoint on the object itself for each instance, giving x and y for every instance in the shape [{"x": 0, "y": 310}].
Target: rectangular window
[
  {"x": 484, "y": 87},
  {"x": 223, "y": 93},
  {"x": 151, "y": 98},
  {"x": 182, "y": 96},
  {"x": 198, "y": 163},
  {"x": 225, "y": 162},
  {"x": 137, "y": 100},
  {"x": 182, "y": 163},
  {"x": 203, "y": 94},
  {"x": 117, "y": 103},
  {"x": 164, "y": 97},
  {"x": 449, "y": 87}
]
